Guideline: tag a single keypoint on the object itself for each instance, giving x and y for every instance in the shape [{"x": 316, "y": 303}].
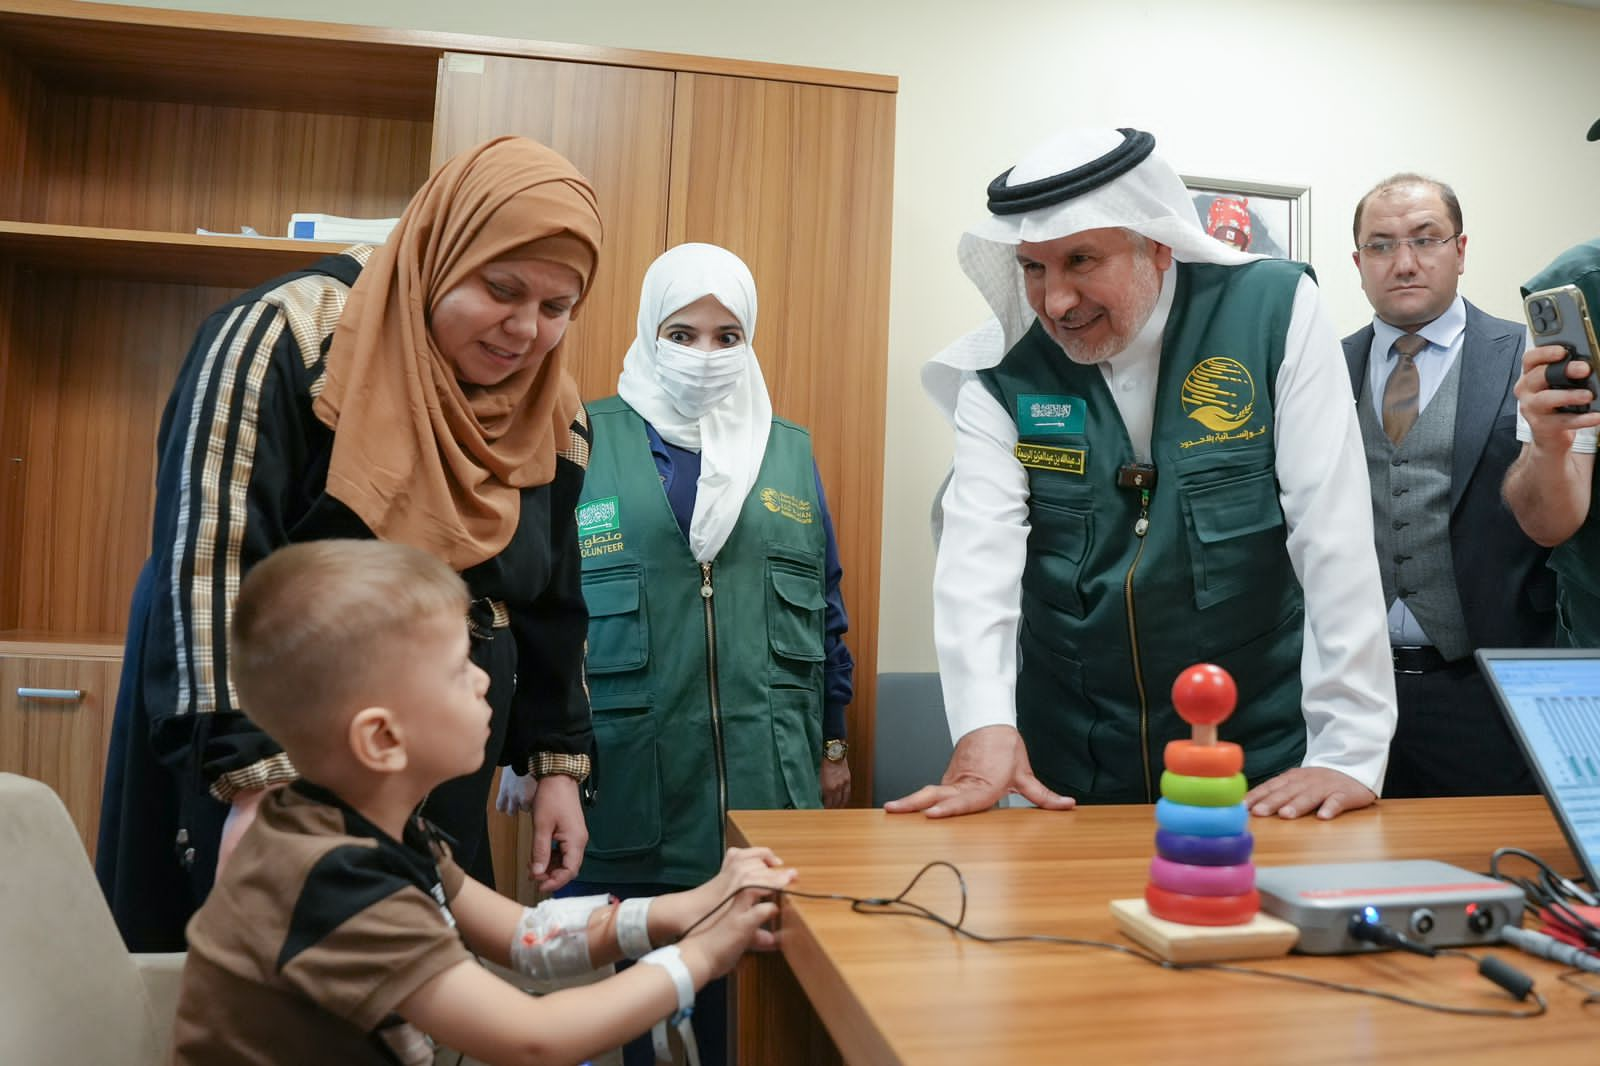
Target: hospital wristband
[
  {"x": 633, "y": 929},
  {"x": 669, "y": 959}
]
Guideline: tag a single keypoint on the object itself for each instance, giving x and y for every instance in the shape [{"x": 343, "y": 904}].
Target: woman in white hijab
[{"x": 716, "y": 666}]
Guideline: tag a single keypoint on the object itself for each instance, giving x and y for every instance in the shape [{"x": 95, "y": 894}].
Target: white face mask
[{"x": 696, "y": 381}]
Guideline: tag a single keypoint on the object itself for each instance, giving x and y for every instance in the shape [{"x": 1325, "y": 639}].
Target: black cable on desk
[{"x": 899, "y": 905}]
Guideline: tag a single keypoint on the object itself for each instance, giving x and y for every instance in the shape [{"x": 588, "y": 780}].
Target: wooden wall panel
[
  {"x": 98, "y": 385},
  {"x": 614, "y": 124},
  {"x": 60, "y": 742},
  {"x": 162, "y": 166},
  {"x": 16, "y": 388},
  {"x": 797, "y": 180},
  {"x": 17, "y": 87}
]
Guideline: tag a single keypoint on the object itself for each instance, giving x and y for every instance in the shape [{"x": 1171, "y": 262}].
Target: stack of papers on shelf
[{"x": 310, "y": 226}]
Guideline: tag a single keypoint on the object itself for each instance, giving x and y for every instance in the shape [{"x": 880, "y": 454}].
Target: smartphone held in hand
[{"x": 1560, "y": 316}]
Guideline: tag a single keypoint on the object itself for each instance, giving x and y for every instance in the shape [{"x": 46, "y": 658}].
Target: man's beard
[{"x": 1146, "y": 290}]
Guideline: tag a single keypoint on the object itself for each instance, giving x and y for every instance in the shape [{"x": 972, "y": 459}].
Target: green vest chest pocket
[
  {"x": 619, "y": 635},
  {"x": 1234, "y": 524},
  {"x": 1058, "y": 543},
  {"x": 795, "y": 606}
]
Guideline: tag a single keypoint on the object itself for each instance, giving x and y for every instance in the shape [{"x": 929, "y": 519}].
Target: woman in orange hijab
[{"x": 415, "y": 392}]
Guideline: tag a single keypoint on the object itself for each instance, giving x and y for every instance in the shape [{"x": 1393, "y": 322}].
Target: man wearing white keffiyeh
[{"x": 1155, "y": 452}]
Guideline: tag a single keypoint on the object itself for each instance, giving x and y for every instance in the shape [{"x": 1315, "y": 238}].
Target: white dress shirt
[
  {"x": 1346, "y": 671},
  {"x": 1445, "y": 336}
]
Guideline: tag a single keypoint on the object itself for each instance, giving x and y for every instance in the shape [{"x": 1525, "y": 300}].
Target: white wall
[{"x": 1334, "y": 95}]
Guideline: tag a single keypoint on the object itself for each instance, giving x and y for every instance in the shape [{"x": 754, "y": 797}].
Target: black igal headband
[{"x": 1006, "y": 199}]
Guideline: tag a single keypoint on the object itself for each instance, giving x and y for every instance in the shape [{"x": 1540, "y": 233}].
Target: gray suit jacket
[{"x": 1507, "y": 591}]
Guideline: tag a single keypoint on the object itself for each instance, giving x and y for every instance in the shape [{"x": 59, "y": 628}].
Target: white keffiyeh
[{"x": 1150, "y": 199}]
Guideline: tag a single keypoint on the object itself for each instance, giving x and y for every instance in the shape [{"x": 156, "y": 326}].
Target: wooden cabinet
[
  {"x": 55, "y": 720},
  {"x": 124, "y": 129}
]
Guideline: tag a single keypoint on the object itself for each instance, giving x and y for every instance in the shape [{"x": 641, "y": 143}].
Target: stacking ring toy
[
  {"x": 1204, "y": 851},
  {"x": 1202, "y": 880},
  {"x": 1202, "y": 821},
  {"x": 1202, "y": 910},
  {"x": 1203, "y": 791},
  {"x": 1221, "y": 759}
]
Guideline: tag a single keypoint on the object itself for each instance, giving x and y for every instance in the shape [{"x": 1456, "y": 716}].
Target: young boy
[{"x": 340, "y": 930}]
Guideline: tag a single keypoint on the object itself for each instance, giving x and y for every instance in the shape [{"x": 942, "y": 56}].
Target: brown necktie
[{"x": 1404, "y": 386}]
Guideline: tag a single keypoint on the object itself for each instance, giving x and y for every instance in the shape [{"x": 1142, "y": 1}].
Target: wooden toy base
[{"x": 1262, "y": 937}]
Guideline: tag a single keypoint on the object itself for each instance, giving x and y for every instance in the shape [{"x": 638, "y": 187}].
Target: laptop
[{"x": 1551, "y": 699}]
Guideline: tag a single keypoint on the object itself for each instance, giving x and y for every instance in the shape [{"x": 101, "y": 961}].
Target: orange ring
[
  {"x": 1202, "y": 910},
  {"x": 1204, "y": 760}
]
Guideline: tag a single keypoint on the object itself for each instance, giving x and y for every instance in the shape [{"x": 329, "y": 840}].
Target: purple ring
[
  {"x": 1204, "y": 851},
  {"x": 1202, "y": 880}
]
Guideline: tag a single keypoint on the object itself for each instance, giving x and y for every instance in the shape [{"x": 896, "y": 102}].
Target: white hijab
[
  {"x": 731, "y": 437},
  {"x": 1149, "y": 199}
]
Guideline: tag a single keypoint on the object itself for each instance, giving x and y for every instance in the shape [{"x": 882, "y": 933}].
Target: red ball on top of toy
[{"x": 1204, "y": 694}]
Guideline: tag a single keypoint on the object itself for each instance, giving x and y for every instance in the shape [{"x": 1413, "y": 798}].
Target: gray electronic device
[
  {"x": 1560, "y": 316},
  {"x": 1429, "y": 902}
]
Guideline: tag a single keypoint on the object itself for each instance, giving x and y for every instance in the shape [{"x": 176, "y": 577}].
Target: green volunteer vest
[
  {"x": 1110, "y": 617},
  {"x": 1577, "y": 569},
  {"x": 702, "y": 703}
]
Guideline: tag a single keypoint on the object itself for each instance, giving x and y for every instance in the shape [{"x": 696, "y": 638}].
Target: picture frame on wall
[{"x": 1257, "y": 216}]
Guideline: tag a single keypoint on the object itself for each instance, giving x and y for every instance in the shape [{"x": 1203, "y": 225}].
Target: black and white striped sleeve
[{"x": 233, "y": 451}]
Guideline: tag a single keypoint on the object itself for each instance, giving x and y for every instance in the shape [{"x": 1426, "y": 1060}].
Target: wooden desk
[{"x": 898, "y": 990}]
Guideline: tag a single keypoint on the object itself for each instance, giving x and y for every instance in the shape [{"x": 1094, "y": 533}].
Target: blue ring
[
  {"x": 1204, "y": 851},
  {"x": 1202, "y": 821}
]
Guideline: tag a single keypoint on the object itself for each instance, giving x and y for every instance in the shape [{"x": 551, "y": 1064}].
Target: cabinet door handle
[{"x": 64, "y": 695}]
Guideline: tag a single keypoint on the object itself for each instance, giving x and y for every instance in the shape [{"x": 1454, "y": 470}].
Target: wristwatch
[{"x": 834, "y": 750}]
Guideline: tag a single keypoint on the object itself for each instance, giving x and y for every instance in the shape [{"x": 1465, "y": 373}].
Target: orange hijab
[{"x": 420, "y": 457}]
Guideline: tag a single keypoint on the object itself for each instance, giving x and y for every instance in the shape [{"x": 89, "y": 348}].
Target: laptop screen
[{"x": 1551, "y": 698}]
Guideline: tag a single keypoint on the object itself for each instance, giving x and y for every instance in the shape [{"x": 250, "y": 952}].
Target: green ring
[{"x": 1202, "y": 791}]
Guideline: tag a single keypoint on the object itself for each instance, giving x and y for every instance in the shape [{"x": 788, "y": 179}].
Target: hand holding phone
[{"x": 1560, "y": 317}]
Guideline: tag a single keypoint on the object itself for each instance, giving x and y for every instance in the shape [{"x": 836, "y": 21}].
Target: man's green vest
[
  {"x": 1577, "y": 569},
  {"x": 1125, "y": 586},
  {"x": 707, "y": 688}
]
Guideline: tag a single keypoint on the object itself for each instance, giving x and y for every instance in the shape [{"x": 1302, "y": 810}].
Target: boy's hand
[
  {"x": 714, "y": 947},
  {"x": 741, "y": 868}
]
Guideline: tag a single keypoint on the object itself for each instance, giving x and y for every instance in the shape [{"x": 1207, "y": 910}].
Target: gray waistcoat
[{"x": 1411, "y": 513}]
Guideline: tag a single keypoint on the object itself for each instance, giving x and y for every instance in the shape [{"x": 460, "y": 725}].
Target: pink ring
[{"x": 1189, "y": 880}]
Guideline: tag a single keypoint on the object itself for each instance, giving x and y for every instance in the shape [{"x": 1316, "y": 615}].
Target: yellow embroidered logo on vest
[
  {"x": 1047, "y": 457},
  {"x": 1219, "y": 394},
  {"x": 791, "y": 507}
]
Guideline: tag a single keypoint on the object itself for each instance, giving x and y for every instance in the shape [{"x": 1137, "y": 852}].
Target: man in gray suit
[{"x": 1433, "y": 378}]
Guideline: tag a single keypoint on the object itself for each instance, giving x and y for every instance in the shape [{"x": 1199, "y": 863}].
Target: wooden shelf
[
  {"x": 147, "y": 255},
  {"x": 296, "y": 65},
  {"x": 95, "y": 49},
  {"x": 37, "y": 644}
]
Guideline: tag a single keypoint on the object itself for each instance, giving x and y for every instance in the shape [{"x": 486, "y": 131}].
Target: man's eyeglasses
[{"x": 1420, "y": 245}]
